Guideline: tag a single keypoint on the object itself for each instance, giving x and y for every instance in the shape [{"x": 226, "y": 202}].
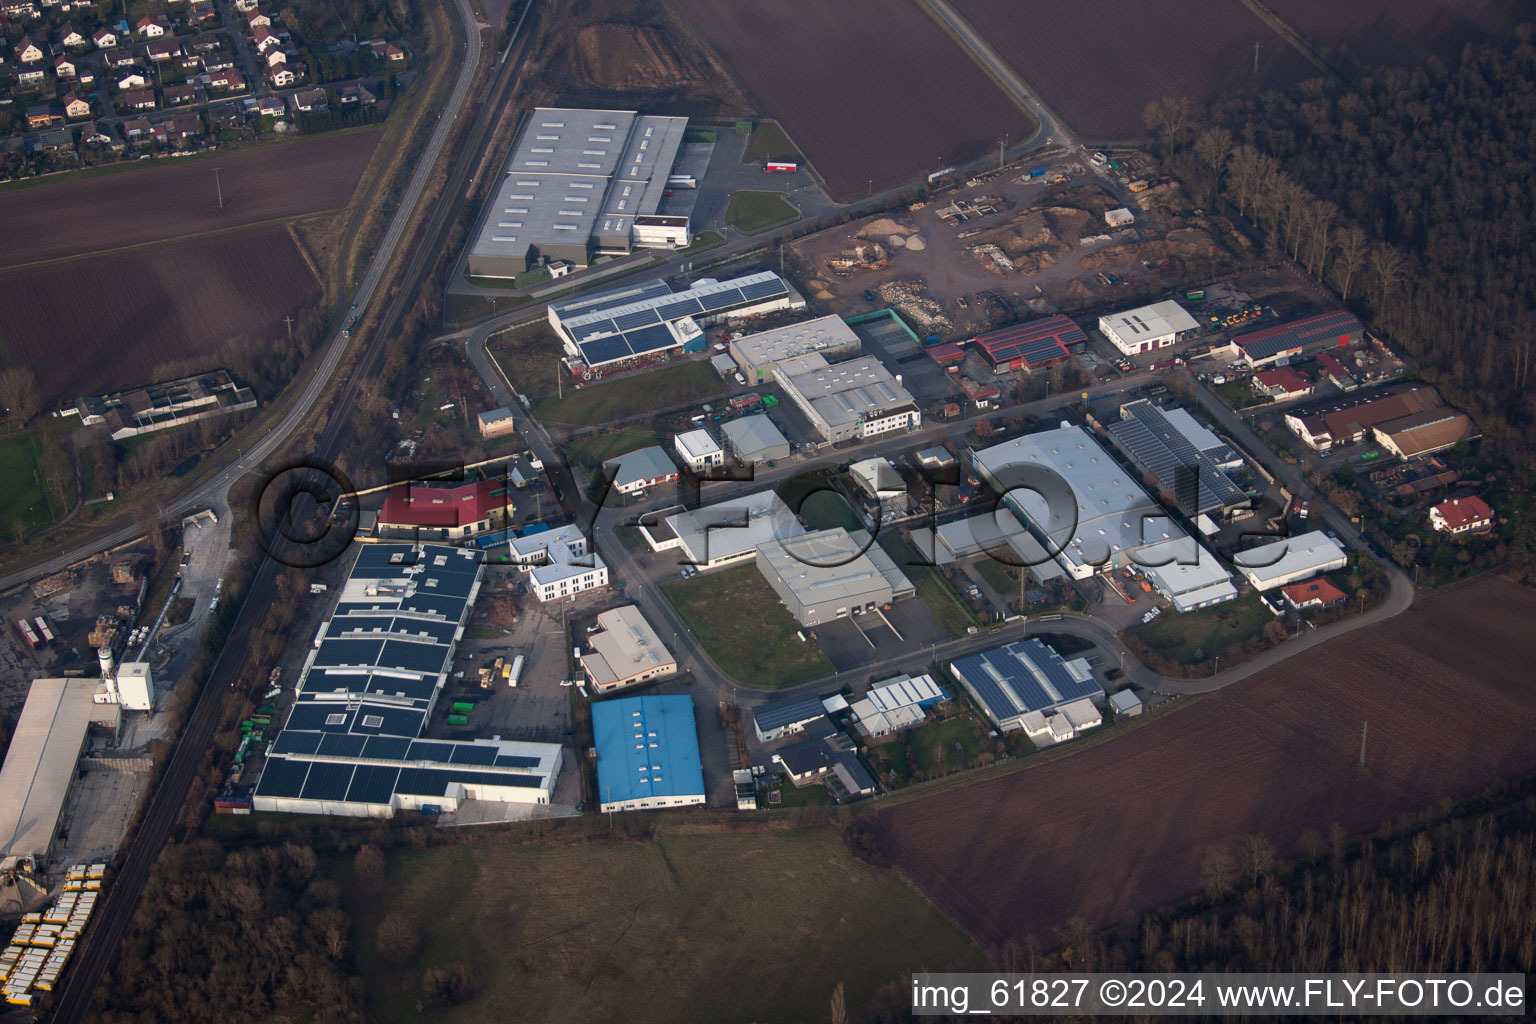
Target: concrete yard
[{"x": 102, "y": 802}]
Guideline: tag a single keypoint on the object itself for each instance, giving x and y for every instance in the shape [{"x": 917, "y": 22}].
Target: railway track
[{"x": 104, "y": 939}]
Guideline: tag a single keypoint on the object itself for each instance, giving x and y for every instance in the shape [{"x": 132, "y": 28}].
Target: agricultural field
[
  {"x": 91, "y": 214},
  {"x": 582, "y": 931},
  {"x": 1273, "y": 756},
  {"x": 1397, "y": 32},
  {"x": 738, "y": 619},
  {"x": 1098, "y": 65},
  {"x": 104, "y": 322},
  {"x": 872, "y": 91}
]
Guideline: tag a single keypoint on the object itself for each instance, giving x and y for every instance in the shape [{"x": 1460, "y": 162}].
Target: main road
[
  {"x": 99, "y": 944},
  {"x": 214, "y": 491}
]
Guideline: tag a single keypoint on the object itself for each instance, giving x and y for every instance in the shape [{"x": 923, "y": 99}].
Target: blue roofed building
[
  {"x": 351, "y": 745},
  {"x": 1023, "y": 681},
  {"x": 647, "y": 753}
]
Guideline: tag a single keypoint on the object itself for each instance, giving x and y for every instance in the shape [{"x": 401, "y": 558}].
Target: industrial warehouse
[
  {"x": 757, "y": 354},
  {"x": 1148, "y": 328},
  {"x": 1028, "y": 686},
  {"x": 350, "y": 745},
  {"x": 1184, "y": 458},
  {"x": 724, "y": 533},
  {"x": 829, "y": 574},
  {"x": 647, "y": 754},
  {"x": 845, "y": 401},
  {"x": 649, "y": 319},
  {"x": 625, "y": 651},
  {"x": 581, "y": 183}
]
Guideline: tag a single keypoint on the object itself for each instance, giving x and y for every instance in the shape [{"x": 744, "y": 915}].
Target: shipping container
[
  {"x": 458, "y": 719},
  {"x": 27, "y": 634},
  {"x": 43, "y": 632},
  {"x": 515, "y": 671},
  {"x": 462, "y": 707}
]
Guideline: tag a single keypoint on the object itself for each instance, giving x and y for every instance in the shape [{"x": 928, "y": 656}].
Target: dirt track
[{"x": 1124, "y": 827}]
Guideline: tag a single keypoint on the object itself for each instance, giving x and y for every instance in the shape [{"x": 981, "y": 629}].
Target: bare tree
[
  {"x": 1213, "y": 147},
  {"x": 1388, "y": 270},
  {"x": 19, "y": 394},
  {"x": 1320, "y": 218},
  {"x": 839, "y": 1013},
  {"x": 1170, "y": 117},
  {"x": 1353, "y": 246},
  {"x": 1245, "y": 175}
]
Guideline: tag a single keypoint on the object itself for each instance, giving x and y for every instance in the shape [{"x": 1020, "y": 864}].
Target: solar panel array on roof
[
  {"x": 1333, "y": 327},
  {"x": 787, "y": 711},
  {"x": 1158, "y": 448},
  {"x": 1022, "y": 677},
  {"x": 1037, "y": 343},
  {"x": 611, "y": 299},
  {"x": 637, "y": 318},
  {"x": 679, "y": 309}
]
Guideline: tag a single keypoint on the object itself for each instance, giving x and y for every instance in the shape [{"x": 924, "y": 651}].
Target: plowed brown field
[
  {"x": 81, "y": 215},
  {"x": 1123, "y": 827},
  {"x": 1097, "y": 65},
  {"x": 872, "y": 91},
  {"x": 98, "y": 324}
]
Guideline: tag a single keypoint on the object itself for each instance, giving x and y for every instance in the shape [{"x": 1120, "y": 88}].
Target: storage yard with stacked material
[{"x": 41, "y": 946}]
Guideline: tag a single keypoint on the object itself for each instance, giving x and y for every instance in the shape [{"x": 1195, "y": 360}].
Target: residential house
[
  {"x": 268, "y": 106},
  {"x": 247, "y": 6},
  {"x": 219, "y": 60},
  {"x": 308, "y": 101},
  {"x": 64, "y": 68},
  {"x": 202, "y": 12},
  {"x": 70, "y": 37},
  {"x": 29, "y": 75},
  {"x": 206, "y": 42},
  {"x": 265, "y": 39},
  {"x": 190, "y": 60},
  {"x": 1282, "y": 383},
  {"x": 186, "y": 126},
  {"x": 276, "y": 57},
  {"x": 75, "y": 107},
  {"x": 133, "y": 80},
  {"x": 104, "y": 38},
  {"x": 20, "y": 10},
  {"x": 355, "y": 95},
  {"x": 282, "y": 76},
  {"x": 28, "y": 51},
  {"x": 394, "y": 53},
  {"x": 138, "y": 130},
  {"x": 226, "y": 81},
  {"x": 177, "y": 95},
  {"x": 1461, "y": 515},
  {"x": 1318, "y": 593},
  {"x": 256, "y": 19},
  {"x": 91, "y": 135},
  {"x": 138, "y": 99},
  {"x": 152, "y": 26},
  {"x": 162, "y": 50},
  {"x": 42, "y": 117},
  {"x": 118, "y": 58},
  {"x": 54, "y": 140}
]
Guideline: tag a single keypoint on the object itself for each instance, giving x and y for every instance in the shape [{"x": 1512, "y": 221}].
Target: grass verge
[
  {"x": 949, "y": 609},
  {"x": 750, "y": 211},
  {"x": 673, "y": 385},
  {"x": 769, "y": 142}
]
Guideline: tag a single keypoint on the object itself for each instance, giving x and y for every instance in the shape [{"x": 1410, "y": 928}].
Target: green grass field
[
  {"x": 673, "y": 385},
  {"x": 735, "y": 616},
  {"x": 996, "y": 575},
  {"x": 750, "y": 211},
  {"x": 592, "y": 452},
  {"x": 23, "y": 496},
  {"x": 702, "y": 241},
  {"x": 1208, "y": 633},
  {"x": 759, "y": 926},
  {"x": 924, "y": 741},
  {"x": 768, "y": 142}
]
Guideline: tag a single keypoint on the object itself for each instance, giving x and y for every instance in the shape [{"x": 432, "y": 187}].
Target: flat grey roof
[
  {"x": 843, "y": 393},
  {"x": 40, "y": 764},
  {"x": 768, "y": 347},
  {"x": 826, "y": 565},
  {"x": 574, "y": 174},
  {"x": 752, "y": 434}
]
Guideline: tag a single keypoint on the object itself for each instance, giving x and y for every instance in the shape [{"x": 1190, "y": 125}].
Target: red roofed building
[
  {"x": 1318, "y": 593},
  {"x": 1033, "y": 346},
  {"x": 1335, "y": 370},
  {"x": 947, "y": 354},
  {"x": 1282, "y": 383},
  {"x": 427, "y": 511},
  {"x": 1461, "y": 515}
]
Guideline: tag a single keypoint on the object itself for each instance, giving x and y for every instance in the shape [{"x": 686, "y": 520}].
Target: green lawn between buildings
[
  {"x": 768, "y": 142},
  {"x": 685, "y": 928},
  {"x": 1208, "y": 633},
  {"x": 737, "y": 618},
  {"x": 668, "y": 386},
  {"x": 751, "y": 211},
  {"x": 23, "y": 496}
]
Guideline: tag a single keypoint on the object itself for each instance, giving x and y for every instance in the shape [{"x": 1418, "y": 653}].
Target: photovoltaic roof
[
  {"x": 1037, "y": 342},
  {"x": 1333, "y": 326},
  {"x": 1158, "y": 448},
  {"x": 1003, "y": 680},
  {"x": 779, "y": 713}
]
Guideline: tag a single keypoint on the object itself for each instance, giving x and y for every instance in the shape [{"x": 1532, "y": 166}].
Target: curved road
[{"x": 215, "y": 491}]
